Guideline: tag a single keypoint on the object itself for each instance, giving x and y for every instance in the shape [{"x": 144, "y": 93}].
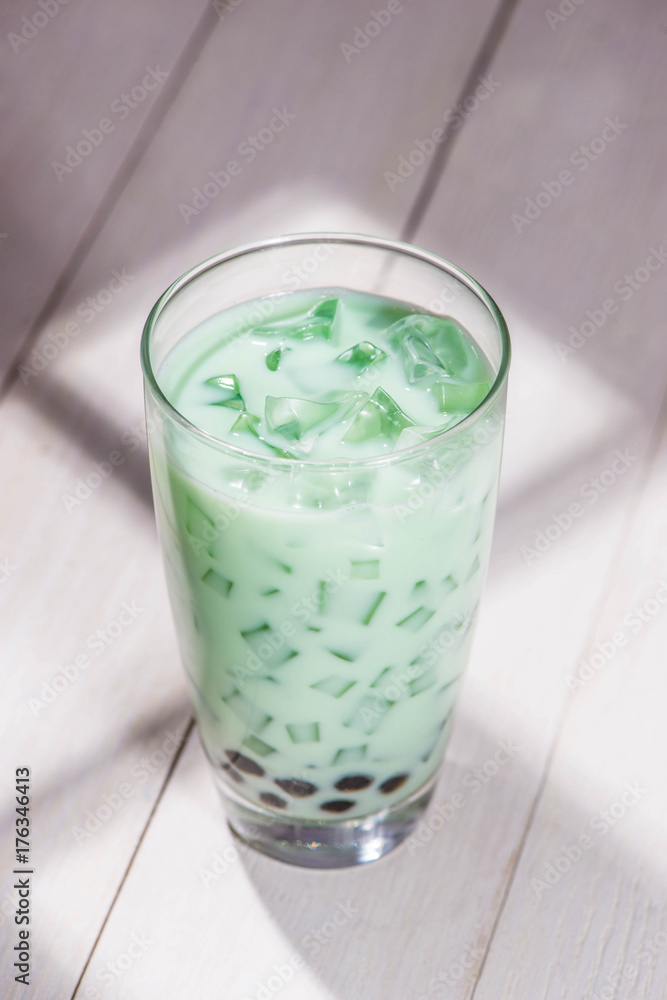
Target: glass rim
[{"x": 294, "y": 239}]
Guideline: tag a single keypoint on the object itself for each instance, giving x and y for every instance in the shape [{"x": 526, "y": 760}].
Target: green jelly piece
[
  {"x": 459, "y": 397},
  {"x": 380, "y": 417},
  {"x": 322, "y": 595},
  {"x": 368, "y": 714},
  {"x": 304, "y": 732},
  {"x": 377, "y": 601},
  {"x": 198, "y": 524},
  {"x": 248, "y": 423},
  {"x": 270, "y": 592},
  {"x": 361, "y": 356},
  {"x": 257, "y": 640},
  {"x": 230, "y": 394},
  {"x": 420, "y": 585},
  {"x": 350, "y": 755},
  {"x": 247, "y": 711},
  {"x": 334, "y": 685},
  {"x": 365, "y": 570},
  {"x": 381, "y": 677},
  {"x": 413, "y": 622},
  {"x": 326, "y": 310},
  {"x": 220, "y": 583},
  {"x": 254, "y": 635},
  {"x": 283, "y": 566},
  {"x": 423, "y": 682},
  {"x": 258, "y": 746},
  {"x": 449, "y": 584},
  {"x": 448, "y": 684},
  {"x": 342, "y": 656},
  {"x": 313, "y": 628},
  {"x": 295, "y": 417},
  {"x": 315, "y": 324},
  {"x": 273, "y": 359},
  {"x": 473, "y": 569}
]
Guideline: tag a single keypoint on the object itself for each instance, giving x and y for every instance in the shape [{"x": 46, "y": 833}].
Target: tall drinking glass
[{"x": 324, "y": 608}]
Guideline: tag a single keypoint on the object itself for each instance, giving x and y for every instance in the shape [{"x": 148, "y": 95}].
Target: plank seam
[
  {"x": 648, "y": 462},
  {"x": 140, "y": 841},
  {"x": 163, "y": 103},
  {"x": 479, "y": 66}
]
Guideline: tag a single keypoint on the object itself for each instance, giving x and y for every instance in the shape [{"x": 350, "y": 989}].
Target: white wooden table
[{"x": 537, "y": 879}]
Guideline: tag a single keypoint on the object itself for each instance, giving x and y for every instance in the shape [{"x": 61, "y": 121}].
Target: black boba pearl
[
  {"x": 294, "y": 786},
  {"x": 244, "y": 763},
  {"x": 269, "y": 799},
  {"x": 233, "y": 773},
  {"x": 353, "y": 783},
  {"x": 391, "y": 784},
  {"x": 337, "y": 805}
]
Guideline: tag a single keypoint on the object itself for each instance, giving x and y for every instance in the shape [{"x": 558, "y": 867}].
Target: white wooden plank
[
  {"x": 64, "y": 77},
  {"x": 82, "y": 405},
  {"x": 567, "y": 420}
]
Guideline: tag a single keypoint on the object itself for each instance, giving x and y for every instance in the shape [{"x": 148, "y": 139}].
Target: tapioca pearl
[
  {"x": 244, "y": 763},
  {"x": 353, "y": 783},
  {"x": 337, "y": 805},
  {"x": 391, "y": 784},
  {"x": 233, "y": 773},
  {"x": 274, "y": 801},
  {"x": 296, "y": 787}
]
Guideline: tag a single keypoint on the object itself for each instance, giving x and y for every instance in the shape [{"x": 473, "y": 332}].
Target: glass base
[{"x": 318, "y": 844}]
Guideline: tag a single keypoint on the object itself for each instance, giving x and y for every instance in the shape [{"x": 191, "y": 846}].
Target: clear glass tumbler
[{"x": 324, "y": 611}]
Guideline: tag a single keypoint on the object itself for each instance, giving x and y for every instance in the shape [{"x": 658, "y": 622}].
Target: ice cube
[
  {"x": 419, "y": 361},
  {"x": 446, "y": 340}
]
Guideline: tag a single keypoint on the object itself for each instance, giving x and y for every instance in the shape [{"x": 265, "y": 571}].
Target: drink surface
[
  {"x": 327, "y": 374},
  {"x": 324, "y": 616}
]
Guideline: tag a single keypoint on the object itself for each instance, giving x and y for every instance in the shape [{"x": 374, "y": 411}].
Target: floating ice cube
[
  {"x": 444, "y": 338},
  {"x": 419, "y": 361},
  {"x": 229, "y": 393}
]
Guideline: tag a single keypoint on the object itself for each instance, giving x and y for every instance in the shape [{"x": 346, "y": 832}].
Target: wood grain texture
[
  {"x": 63, "y": 80},
  {"x": 569, "y": 419},
  {"x": 77, "y": 401},
  {"x": 160, "y": 901}
]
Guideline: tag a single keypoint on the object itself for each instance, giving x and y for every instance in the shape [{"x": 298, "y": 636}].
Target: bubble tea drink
[{"x": 325, "y": 424}]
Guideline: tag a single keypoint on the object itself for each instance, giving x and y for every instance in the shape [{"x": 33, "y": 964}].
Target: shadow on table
[{"x": 418, "y": 922}]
